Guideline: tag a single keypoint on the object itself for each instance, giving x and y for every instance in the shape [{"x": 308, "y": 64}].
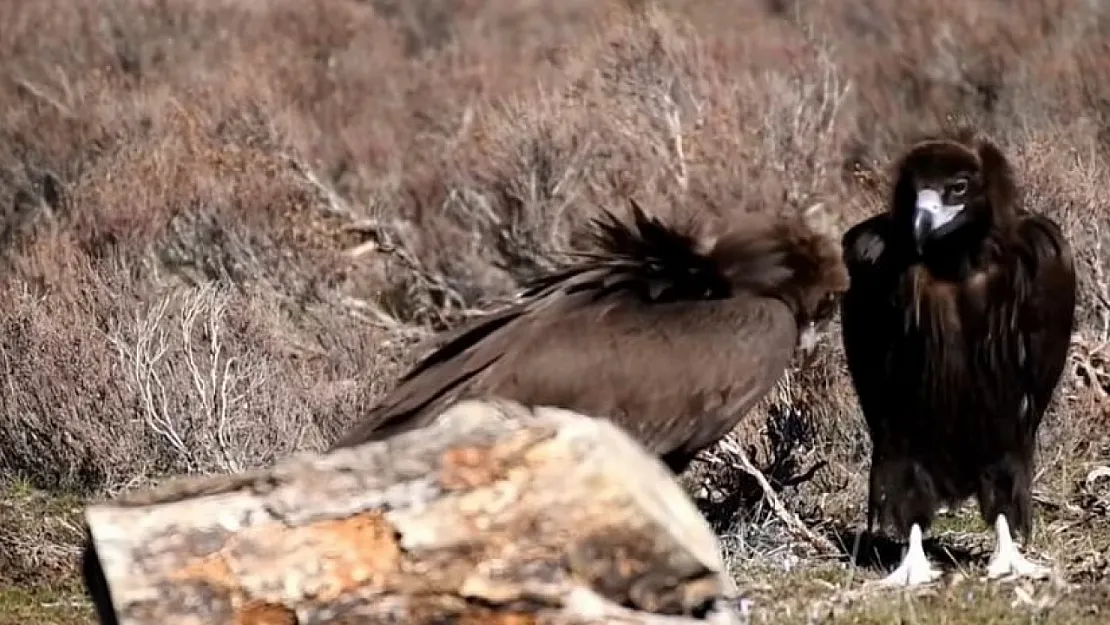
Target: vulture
[
  {"x": 670, "y": 334},
  {"x": 956, "y": 327}
]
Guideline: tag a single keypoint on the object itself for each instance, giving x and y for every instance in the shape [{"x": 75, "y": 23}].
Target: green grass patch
[{"x": 23, "y": 606}]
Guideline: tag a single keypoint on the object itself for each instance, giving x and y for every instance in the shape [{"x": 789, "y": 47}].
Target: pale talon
[
  {"x": 1007, "y": 560},
  {"x": 915, "y": 568}
]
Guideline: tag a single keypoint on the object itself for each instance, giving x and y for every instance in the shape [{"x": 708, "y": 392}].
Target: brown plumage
[
  {"x": 956, "y": 329},
  {"x": 670, "y": 335}
]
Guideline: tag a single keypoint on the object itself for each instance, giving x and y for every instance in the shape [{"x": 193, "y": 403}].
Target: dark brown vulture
[
  {"x": 956, "y": 329},
  {"x": 670, "y": 335}
]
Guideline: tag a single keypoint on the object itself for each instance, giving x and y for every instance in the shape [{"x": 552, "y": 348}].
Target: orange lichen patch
[
  {"x": 213, "y": 570},
  {"x": 465, "y": 468},
  {"x": 447, "y": 608},
  {"x": 355, "y": 552},
  {"x": 264, "y": 613},
  {"x": 497, "y": 618},
  {"x": 328, "y": 558}
]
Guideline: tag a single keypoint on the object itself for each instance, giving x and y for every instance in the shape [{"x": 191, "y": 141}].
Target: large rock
[{"x": 495, "y": 514}]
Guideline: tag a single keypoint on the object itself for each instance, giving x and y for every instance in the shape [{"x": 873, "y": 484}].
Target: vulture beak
[{"x": 930, "y": 214}]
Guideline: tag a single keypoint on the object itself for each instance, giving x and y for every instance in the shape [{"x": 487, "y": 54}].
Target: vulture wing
[
  {"x": 1046, "y": 280},
  {"x": 677, "y": 376},
  {"x": 870, "y": 316}
]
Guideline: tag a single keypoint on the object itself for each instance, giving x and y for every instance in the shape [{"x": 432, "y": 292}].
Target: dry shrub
[{"x": 105, "y": 391}]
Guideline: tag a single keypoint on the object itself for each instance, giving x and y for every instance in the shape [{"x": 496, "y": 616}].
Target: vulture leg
[
  {"x": 915, "y": 568},
  {"x": 1007, "y": 560}
]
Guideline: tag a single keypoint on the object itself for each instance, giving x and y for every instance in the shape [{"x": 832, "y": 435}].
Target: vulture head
[
  {"x": 951, "y": 189},
  {"x": 804, "y": 267},
  {"x": 818, "y": 266}
]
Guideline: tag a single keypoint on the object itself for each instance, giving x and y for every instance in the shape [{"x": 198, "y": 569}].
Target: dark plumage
[
  {"x": 956, "y": 328},
  {"x": 670, "y": 335}
]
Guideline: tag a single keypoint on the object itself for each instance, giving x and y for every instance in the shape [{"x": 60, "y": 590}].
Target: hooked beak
[{"x": 930, "y": 214}]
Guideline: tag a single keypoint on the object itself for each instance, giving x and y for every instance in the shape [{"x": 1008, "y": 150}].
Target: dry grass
[{"x": 224, "y": 227}]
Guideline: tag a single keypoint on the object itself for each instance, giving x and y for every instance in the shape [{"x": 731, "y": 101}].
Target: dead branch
[{"x": 796, "y": 526}]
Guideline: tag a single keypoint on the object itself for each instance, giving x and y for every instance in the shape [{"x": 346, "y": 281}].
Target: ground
[{"x": 225, "y": 228}]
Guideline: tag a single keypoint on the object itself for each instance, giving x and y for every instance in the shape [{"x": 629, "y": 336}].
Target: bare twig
[
  {"x": 40, "y": 93},
  {"x": 217, "y": 382},
  {"x": 198, "y": 420},
  {"x": 336, "y": 204},
  {"x": 1101, "y": 286},
  {"x": 674, "y": 123},
  {"x": 144, "y": 356},
  {"x": 822, "y": 544},
  {"x": 385, "y": 240}
]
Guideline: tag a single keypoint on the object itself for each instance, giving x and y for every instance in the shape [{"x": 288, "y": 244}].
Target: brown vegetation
[{"x": 225, "y": 227}]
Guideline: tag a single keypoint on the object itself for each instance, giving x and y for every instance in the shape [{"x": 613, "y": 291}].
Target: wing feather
[
  {"x": 869, "y": 314},
  {"x": 608, "y": 358},
  {"x": 1046, "y": 278},
  {"x": 674, "y": 393}
]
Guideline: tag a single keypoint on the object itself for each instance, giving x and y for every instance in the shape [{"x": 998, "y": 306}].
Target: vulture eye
[{"x": 958, "y": 188}]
